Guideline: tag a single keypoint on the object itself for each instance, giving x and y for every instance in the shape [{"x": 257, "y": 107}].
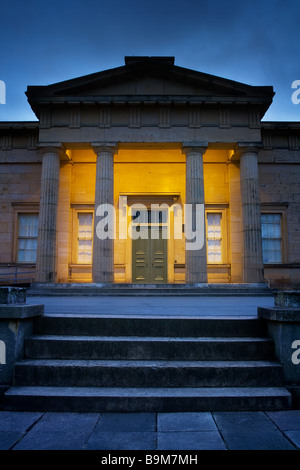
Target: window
[
  {"x": 85, "y": 237},
  {"x": 27, "y": 237},
  {"x": 271, "y": 227},
  {"x": 214, "y": 238}
]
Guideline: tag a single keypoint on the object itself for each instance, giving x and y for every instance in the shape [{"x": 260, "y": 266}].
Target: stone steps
[
  {"x": 96, "y": 399},
  {"x": 147, "y": 348},
  {"x": 115, "y": 363},
  {"x": 136, "y": 373},
  {"x": 149, "y": 326}
]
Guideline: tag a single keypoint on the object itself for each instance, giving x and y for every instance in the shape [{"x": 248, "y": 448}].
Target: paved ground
[
  {"x": 278, "y": 430},
  {"x": 166, "y": 305}
]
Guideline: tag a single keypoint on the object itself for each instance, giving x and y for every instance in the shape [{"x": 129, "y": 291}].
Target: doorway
[{"x": 150, "y": 246}]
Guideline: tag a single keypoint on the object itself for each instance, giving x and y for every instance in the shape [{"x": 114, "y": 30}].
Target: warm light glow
[{"x": 141, "y": 172}]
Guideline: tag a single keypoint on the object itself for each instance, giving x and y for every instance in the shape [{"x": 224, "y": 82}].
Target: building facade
[{"x": 98, "y": 189}]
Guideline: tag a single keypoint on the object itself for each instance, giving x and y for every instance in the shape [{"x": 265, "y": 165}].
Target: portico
[{"x": 116, "y": 174}]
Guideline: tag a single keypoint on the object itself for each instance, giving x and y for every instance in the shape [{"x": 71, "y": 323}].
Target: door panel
[
  {"x": 158, "y": 258},
  {"x": 149, "y": 258}
]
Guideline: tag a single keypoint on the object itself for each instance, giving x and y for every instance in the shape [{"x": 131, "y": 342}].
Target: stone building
[{"x": 150, "y": 139}]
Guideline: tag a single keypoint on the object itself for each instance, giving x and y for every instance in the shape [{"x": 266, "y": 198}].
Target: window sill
[
  {"x": 209, "y": 265},
  {"x": 282, "y": 265}
]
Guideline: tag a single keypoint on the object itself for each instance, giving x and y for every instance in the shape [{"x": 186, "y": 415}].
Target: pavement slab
[
  {"x": 117, "y": 440},
  {"x": 129, "y": 422},
  {"x": 204, "y": 440},
  {"x": 150, "y": 431},
  {"x": 272, "y": 440},
  {"x": 171, "y": 422},
  {"x": 286, "y": 420},
  {"x": 59, "y": 431}
]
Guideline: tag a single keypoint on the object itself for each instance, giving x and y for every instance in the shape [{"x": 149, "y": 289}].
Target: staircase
[{"x": 112, "y": 363}]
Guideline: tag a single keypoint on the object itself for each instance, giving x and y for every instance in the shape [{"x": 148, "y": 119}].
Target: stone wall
[{"x": 279, "y": 175}]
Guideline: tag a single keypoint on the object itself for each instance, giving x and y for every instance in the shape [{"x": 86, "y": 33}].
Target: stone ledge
[
  {"x": 20, "y": 311},
  {"x": 291, "y": 315}
]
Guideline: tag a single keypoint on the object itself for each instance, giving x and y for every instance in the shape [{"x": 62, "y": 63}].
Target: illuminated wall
[{"x": 141, "y": 173}]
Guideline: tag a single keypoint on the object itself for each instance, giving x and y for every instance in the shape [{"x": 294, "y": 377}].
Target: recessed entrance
[{"x": 149, "y": 246}]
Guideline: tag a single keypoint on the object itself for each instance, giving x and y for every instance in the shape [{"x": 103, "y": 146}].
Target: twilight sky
[{"x": 255, "y": 42}]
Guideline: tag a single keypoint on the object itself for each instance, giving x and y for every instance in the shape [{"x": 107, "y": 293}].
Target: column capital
[
  {"x": 246, "y": 147},
  {"x": 105, "y": 147},
  {"x": 194, "y": 147},
  {"x": 53, "y": 147}
]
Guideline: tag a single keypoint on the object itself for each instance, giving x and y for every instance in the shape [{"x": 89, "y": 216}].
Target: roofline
[
  {"x": 19, "y": 124},
  {"x": 164, "y": 63},
  {"x": 280, "y": 124}
]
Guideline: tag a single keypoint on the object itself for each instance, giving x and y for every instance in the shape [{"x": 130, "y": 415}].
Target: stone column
[
  {"x": 103, "y": 250},
  {"x": 251, "y": 218},
  {"x": 195, "y": 260},
  {"x": 46, "y": 262}
]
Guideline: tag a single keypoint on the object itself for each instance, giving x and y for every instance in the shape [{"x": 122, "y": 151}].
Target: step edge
[
  {"x": 91, "y": 338},
  {"x": 144, "y": 363},
  {"x": 207, "y": 391}
]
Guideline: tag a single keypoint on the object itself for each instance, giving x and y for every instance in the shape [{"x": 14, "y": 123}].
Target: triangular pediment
[
  {"x": 146, "y": 77},
  {"x": 141, "y": 86}
]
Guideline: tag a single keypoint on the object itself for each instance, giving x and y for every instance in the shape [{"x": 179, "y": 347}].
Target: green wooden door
[{"x": 149, "y": 257}]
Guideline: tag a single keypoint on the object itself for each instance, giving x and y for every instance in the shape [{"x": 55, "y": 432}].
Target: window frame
[
  {"x": 281, "y": 210},
  {"x": 22, "y": 210},
  {"x": 75, "y": 233},
  {"x": 224, "y": 236}
]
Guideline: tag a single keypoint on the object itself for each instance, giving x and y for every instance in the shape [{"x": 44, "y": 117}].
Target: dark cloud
[{"x": 253, "y": 42}]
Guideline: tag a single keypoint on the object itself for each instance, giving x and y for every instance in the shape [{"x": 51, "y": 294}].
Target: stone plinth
[
  {"x": 290, "y": 299},
  {"x": 12, "y": 295},
  {"x": 16, "y": 323},
  {"x": 283, "y": 326}
]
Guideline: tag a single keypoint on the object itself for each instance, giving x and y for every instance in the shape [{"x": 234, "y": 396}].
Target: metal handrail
[{"x": 16, "y": 275}]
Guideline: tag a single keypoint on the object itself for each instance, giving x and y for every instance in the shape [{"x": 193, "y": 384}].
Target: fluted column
[
  {"x": 195, "y": 259},
  {"x": 251, "y": 215},
  {"x": 46, "y": 262},
  {"x": 103, "y": 249}
]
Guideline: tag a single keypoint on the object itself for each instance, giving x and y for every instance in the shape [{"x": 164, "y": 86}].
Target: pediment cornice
[{"x": 149, "y": 80}]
